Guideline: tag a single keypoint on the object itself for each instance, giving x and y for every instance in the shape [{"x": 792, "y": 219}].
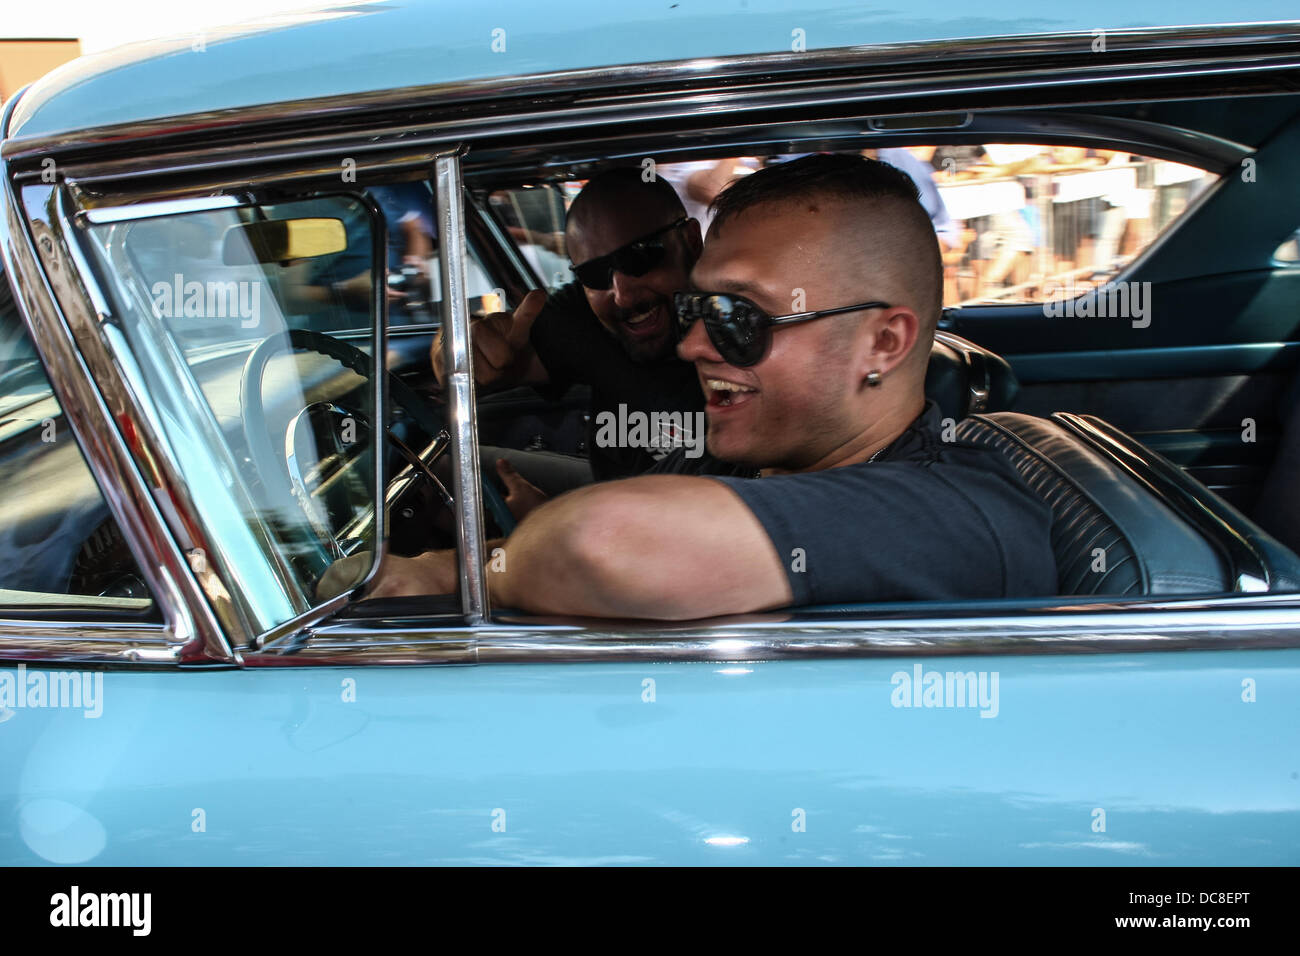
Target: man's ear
[{"x": 889, "y": 342}]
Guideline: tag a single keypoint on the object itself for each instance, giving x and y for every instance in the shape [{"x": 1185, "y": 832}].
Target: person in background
[
  {"x": 633, "y": 246},
  {"x": 699, "y": 183}
]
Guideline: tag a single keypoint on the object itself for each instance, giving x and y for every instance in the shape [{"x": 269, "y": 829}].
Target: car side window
[
  {"x": 413, "y": 280},
  {"x": 1022, "y": 223},
  {"x": 534, "y": 218},
  {"x": 60, "y": 548}
]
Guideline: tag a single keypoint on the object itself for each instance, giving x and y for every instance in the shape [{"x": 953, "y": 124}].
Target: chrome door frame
[{"x": 191, "y": 632}]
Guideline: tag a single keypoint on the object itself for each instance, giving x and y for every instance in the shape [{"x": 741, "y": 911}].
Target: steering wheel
[{"x": 424, "y": 413}]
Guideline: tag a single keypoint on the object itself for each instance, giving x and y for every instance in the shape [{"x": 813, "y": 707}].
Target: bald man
[
  {"x": 632, "y": 246},
  {"x": 828, "y": 478}
]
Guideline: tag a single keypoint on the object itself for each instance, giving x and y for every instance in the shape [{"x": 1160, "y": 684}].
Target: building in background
[{"x": 22, "y": 61}]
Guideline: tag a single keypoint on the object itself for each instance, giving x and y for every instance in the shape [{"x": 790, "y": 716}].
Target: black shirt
[
  {"x": 577, "y": 349},
  {"x": 926, "y": 520}
]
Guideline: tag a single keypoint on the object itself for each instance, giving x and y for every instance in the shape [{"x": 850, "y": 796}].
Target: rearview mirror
[{"x": 279, "y": 240}]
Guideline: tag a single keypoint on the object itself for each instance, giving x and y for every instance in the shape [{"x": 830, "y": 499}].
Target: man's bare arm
[{"x": 667, "y": 547}]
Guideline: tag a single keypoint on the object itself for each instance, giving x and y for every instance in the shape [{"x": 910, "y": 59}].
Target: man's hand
[
  {"x": 501, "y": 349},
  {"x": 522, "y": 496},
  {"x": 434, "y": 572}
]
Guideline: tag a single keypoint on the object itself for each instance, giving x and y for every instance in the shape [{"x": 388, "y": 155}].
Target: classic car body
[{"x": 234, "y": 719}]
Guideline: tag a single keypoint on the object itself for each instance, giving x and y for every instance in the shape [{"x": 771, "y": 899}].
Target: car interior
[{"x": 1161, "y": 444}]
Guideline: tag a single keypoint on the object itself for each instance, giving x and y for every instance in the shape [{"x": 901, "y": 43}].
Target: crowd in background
[{"x": 1016, "y": 223}]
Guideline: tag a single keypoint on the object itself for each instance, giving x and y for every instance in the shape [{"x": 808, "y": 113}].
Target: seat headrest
[{"x": 965, "y": 379}]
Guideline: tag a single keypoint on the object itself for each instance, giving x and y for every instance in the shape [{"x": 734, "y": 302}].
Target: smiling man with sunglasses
[
  {"x": 828, "y": 478},
  {"x": 632, "y": 247}
]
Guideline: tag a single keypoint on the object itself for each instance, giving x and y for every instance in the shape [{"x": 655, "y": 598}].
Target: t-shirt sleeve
[{"x": 898, "y": 531}]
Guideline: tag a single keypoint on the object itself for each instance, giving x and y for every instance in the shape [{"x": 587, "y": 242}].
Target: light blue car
[{"x": 207, "y": 242}]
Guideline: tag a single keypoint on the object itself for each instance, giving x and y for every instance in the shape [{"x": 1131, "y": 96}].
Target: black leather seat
[
  {"x": 1278, "y": 508},
  {"x": 1127, "y": 522},
  {"x": 965, "y": 379}
]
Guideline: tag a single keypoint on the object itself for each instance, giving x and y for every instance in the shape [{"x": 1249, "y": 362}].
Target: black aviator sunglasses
[
  {"x": 738, "y": 329},
  {"x": 636, "y": 258}
]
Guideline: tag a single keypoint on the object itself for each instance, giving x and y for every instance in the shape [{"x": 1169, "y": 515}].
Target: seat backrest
[
  {"x": 1111, "y": 534},
  {"x": 965, "y": 379},
  {"x": 1277, "y": 508}
]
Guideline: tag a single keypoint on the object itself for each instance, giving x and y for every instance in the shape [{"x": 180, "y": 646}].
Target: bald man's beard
[{"x": 659, "y": 343}]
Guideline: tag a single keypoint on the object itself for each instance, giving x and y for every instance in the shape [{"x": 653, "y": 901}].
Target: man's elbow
[{"x": 612, "y": 559}]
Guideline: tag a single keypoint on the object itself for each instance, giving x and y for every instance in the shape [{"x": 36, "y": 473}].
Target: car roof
[{"x": 364, "y": 47}]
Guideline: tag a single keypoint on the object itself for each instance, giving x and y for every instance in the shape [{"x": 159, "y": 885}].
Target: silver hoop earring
[{"x": 873, "y": 378}]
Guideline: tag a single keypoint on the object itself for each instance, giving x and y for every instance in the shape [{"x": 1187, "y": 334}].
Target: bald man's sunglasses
[
  {"x": 738, "y": 329},
  {"x": 634, "y": 259}
]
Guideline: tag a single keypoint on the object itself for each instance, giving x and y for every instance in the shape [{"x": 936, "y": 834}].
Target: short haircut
[
  {"x": 913, "y": 251},
  {"x": 610, "y": 187}
]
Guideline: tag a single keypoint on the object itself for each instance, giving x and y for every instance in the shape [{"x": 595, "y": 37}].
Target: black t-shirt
[
  {"x": 927, "y": 520},
  {"x": 577, "y": 349}
]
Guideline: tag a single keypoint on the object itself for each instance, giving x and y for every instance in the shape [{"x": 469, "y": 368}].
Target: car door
[
  {"x": 1161, "y": 758},
  {"x": 251, "y": 730}
]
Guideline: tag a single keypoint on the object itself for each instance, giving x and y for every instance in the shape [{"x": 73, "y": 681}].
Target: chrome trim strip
[
  {"x": 1029, "y": 124},
  {"x": 738, "y": 106},
  {"x": 150, "y": 210},
  {"x": 1174, "y": 625},
  {"x": 92, "y": 416},
  {"x": 7, "y": 112},
  {"x": 459, "y": 385},
  {"x": 1246, "y": 564},
  {"x": 637, "y": 81},
  {"x": 97, "y": 642}
]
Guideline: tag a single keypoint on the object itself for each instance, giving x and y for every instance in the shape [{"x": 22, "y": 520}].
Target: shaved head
[
  {"x": 622, "y": 194},
  {"x": 885, "y": 248},
  {"x": 617, "y": 208}
]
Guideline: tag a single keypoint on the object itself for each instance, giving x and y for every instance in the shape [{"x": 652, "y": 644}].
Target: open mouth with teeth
[
  {"x": 647, "y": 323},
  {"x": 724, "y": 394}
]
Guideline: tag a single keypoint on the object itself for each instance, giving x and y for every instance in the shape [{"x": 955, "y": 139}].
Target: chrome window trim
[
  {"x": 1043, "y": 124},
  {"x": 92, "y": 642},
  {"x": 150, "y": 210},
  {"x": 640, "y": 80},
  {"x": 190, "y": 633},
  {"x": 1264, "y": 622},
  {"x": 459, "y": 386}
]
